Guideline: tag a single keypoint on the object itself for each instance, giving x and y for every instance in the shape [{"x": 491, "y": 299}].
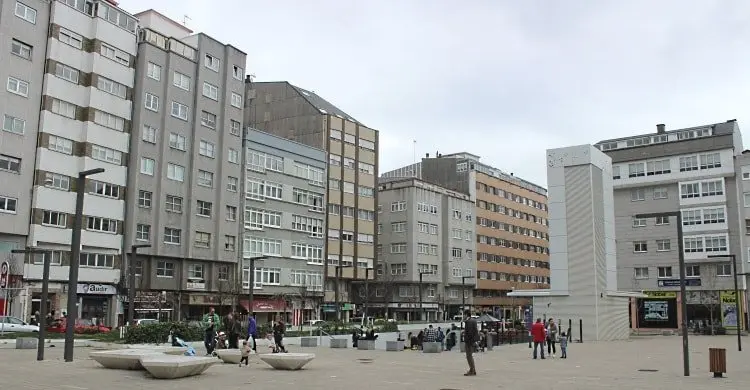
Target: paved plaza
[{"x": 612, "y": 365}]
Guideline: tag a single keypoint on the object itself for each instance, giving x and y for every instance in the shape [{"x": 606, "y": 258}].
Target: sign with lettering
[
  {"x": 661, "y": 294},
  {"x": 195, "y": 286},
  {"x": 97, "y": 289},
  {"x": 692, "y": 282},
  {"x": 4, "y": 271}
]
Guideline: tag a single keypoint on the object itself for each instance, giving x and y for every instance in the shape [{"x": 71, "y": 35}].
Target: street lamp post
[
  {"x": 75, "y": 249},
  {"x": 367, "y": 292},
  {"x": 736, "y": 297},
  {"x": 251, "y": 285},
  {"x": 131, "y": 281},
  {"x": 683, "y": 292},
  {"x": 47, "y": 258},
  {"x": 463, "y": 297}
]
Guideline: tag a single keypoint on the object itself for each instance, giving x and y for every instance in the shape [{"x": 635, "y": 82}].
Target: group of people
[
  {"x": 549, "y": 333},
  {"x": 226, "y": 333}
]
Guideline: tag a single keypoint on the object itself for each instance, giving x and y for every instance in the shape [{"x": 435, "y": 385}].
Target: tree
[
  {"x": 13, "y": 288},
  {"x": 228, "y": 292},
  {"x": 709, "y": 297}
]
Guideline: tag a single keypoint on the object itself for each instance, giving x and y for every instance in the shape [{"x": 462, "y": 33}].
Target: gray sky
[{"x": 502, "y": 79}]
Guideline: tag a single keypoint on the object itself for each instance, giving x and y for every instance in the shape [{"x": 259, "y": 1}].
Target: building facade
[
  {"x": 284, "y": 221},
  {"x": 692, "y": 171},
  {"x": 510, "y": 214},
  {"x": 425, "y": 248},
  {"x": 184, "y": 195},
  {"x": 300, "y": 115}
]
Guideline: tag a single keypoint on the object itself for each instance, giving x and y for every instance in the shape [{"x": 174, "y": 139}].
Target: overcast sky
[{"x": 502, "y": 79}]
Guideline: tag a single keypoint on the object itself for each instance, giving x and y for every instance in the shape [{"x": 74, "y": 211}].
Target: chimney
[
  {"x": 732, "y": 120},
  {"x": 660, "y": 128},
  {"x": 249, "y": 79},
  {"x": 426, "y": 155}
]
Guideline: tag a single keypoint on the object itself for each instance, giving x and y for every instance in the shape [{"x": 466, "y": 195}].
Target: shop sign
[
  {"x": 98, "y": 289},
  {"x": 4, "y": 268},
  {"x": 200, "y": 286},
  {"x": 328, "y": 308},
  {"x": 661, "y": 294},
  {"x": 268, "y": 305},
  {"x": 728, "y": 309},
  {"x": 696, "y": 282}
]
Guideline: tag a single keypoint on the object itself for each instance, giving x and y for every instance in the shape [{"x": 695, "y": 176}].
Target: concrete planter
[
  {"x": 339, "y": 343},
  {"x": 432, "y": 347},
  {"x": 394, "y": 346},
  {"x": 27, "y": 343},
  {"x": 366, "y": 345},
  {"x": 308, "y": 342}
]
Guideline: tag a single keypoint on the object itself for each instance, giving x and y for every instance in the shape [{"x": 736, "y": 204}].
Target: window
[
  {"x": 639, "y": 222},
  {"x": 715, "y": 243},
  {"x": 690, "y": 190},
  {"x": 60, "y": 145},
  {"x": 660, "y": 193},
  {"x": 714, "y": 215},
  {"x": 641, "y": 273},
  {"x": 312, "y": 174},
  {"x": 25, "y": 12},
  {"x": 54, "y": 218},
  {"x": 312, "y": 253},
  {"x": 456, "y": 253},
  {"x": 105, "y": 189},
  {"x": 164, "y": 269},
  {"x": 223, "y": 272},
  {"x": 21, "y": 49},
  {"x": 746, "y": 199},
  {"x": 662, "y": 221},
  {"x": 18, "y": 86},
  {"x": 174, "y": 204},
  {"x": 55, "y": 260},
  {"x": 181, "y": 81},
  {"x": 367, "y": 192},
  {"x": 313, "y": 226},
  {"x": 67, "y": 73},
  {"x": 367, "y": 168},
  {"x": 398, "y": 248},
  {"x": 109, "y": 120},
  {"x": 232, "y": 184},
  {"x": 145, "y": 198},
  {"x": 236, "y": 100},
  {"x": 691, "y": 217},
  {"x": 57, "y": 181},
  {"x": 148, "y": 134},
  {"x": 348, "y": 187},
  {"x": 257, "y": 246},
  {"x": 210, "y": 91},
  {"x": 233, "y": 156},
  {"x": 231, "y": 214},
  {"x": 334, "y": 159},
  {"x": 14, "y": 125},
  {"x": 117, "y": 89},
  {"x": 238, "y": 73},
  {"x": 106, "y": 154},
  {"x": 710, "y": 160},
  {"x": 693, "y": 244},
  {"x": 311, "y": 199},
  {"x": 147, "y": 166},
  {"x": 268, "y": 276},
  {"x": 229, "y": 243},
  {"x": 177, "y": 141},
  {"x": 142, "y": 232},
  {"x": 70, "y": 38},
  {"x": 663, "y": 245},
  {"x": 172, "y": 236},
  {"x": 712, "y": 188},
  {"x": 398, "y": 227},
  {"x": 688, "y": 163},
  {"x": 258, "y": 218},
  {"x": 211, "y": 62},
  {"x": 723, "y": 270},
  {"x": 640, "y": 246},
  {"x": 664, "y": 272},
  {"x": 205, "y": 178},
  {"x": 98, "y": 260},
  {"x": 202, "y": 240},
  {"x": 10, "y": 164},
  {"x": 204, "y": 208},
  {"x": 100, "y": 224},
  {"x": 116, "y": 55},
  {"x": 207, "y": 149},
  {"x": 64, "y": 108},
  {"x": 258, "y": 161},
  {"x": 175, "y": 172},
  {"x": 152, "y": 102},
  {"x": 657, "y": 167},
  {"x": 234, "y": 127},
  {"x": 637, "y": 194},
  {"x": 8, "y": 204},
  {"x": 208, "y": 119},
  {"x": 180, "y": 111},
  {"x": 692, "y": 271},
  {"x": 636, "y": 170},
  {"x": 153, "y": 71},
  {"x": 398, "y": 206}
]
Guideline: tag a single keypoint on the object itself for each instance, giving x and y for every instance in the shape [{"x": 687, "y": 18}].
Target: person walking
[
  {"x": 563, "y": 345},
  {"x": 278, "y": 335},
  {"x": 211, "y": 321},
  {"x": 538, "y": 334},
  {"x": 552, "y": 333},
  {"x": 232, "y": 327},
  {"x": 471, "y": 336},
  {"x": 252, "y": 331}
]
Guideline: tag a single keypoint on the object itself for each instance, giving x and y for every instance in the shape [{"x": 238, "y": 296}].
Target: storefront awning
[{"x": 267, "y": 305}]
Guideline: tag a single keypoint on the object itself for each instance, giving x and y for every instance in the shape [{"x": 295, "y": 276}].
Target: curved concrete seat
[
  {"x": 230, "y": 355},
  {"x": 287, "y": 361},
  {"x": 162, "y": 366},
  {"x": 123, "y": 359}
]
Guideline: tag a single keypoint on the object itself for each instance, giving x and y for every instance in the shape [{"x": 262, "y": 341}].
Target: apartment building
[
  {"x": 512, "y": 242},
  {"x": 284, "y": 221},
  {"x": 425, "y": 247},
  {"x": 291, "y": 112},
  {"x": 23, "y": 37},
  {"x": 184, "y": 188},
  {"x": 693, "y": 171}
]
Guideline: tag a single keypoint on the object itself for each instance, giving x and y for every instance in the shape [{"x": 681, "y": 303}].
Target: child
[
  {"x": 245, "y": 353},
  {"x": 563, "y": 345}
]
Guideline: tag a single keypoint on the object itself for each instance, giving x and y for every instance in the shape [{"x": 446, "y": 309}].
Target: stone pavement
[{"x": 612, "y": 365}]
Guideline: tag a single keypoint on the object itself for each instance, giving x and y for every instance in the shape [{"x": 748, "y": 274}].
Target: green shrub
[
  {"x": 159, "y": 333},
  {"x": 387, "y": 327}
]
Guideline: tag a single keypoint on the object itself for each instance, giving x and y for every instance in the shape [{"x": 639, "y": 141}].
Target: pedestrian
[
  {"x": 563, "y": 345},
  {"x": 552, "y": 332},
  {"x": 471, "y": 336},
  {"x": 441, "y": 338},
  {"x": 245, "y": 353},
  {"x": 430, "y": 335},
  {"x": 232, "y": 327},
  {"x": 211, "y": 321},
  {"x": 252, "y": 331},
  {"x": 538, "y": 334},
  {"x": 278, "y": 335}
]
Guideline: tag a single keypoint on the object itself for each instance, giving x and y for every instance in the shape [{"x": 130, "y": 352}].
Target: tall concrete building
[
  {"x": 300, "y": 115},
  {"x": 691, "y": 170},
  {"x": 425, "y": 248},
  {"x": 284, "y": 220},
  {"x": 185, "y": 157},
  {"x": 742, "y": 167},
  {"x": 512, "y": 250}
]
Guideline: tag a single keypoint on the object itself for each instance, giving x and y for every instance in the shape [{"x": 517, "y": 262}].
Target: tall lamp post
[
  {"x": 736, "y": 297},
  {"x": 683, "y": 293},
  {"x": 463, "y": 297},
  {"x": 75, "y": 249},
  {"x": 131, "y": 281},
  {"x": 367, "y": 292},
  {"x": 251, "y": 284},
  {"x": 47, "y": 258}
]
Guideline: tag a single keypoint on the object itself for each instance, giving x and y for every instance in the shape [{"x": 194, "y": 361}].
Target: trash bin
[{"x": 717, "y": 361}]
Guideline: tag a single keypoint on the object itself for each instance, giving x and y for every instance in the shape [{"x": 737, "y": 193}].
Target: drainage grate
[{"x": 648, "y": 370}]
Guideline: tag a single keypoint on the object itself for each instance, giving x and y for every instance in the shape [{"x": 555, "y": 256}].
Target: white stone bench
[
  {"x": 432, "y": 347},
  {"x": 162, "y": 366},
  {"x": 230, "y": 355},
  {"x": 394, "y": 346},
  {"x": 308, "y": 342},
  {"x": 123, "y": 359},
  {"x": 27, "y": 343},
  {"x": 366, "y": 345},
  {"x": 287, "y": 361},
  {"x": 339, "y": 343}
]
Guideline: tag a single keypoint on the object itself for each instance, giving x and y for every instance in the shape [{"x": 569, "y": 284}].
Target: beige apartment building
[{"x": 291, "y": 112}]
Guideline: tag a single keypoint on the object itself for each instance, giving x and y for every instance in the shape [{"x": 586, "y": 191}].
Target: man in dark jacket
[
  {"x": 278, "y": 335},
  {"x": 471, "y": 336},
  {"x": 233, "y": 328}
]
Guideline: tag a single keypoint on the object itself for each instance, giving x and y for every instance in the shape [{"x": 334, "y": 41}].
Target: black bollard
[
  {"x": 580, "y": 330},
  {"x": 570, "y": 328}
]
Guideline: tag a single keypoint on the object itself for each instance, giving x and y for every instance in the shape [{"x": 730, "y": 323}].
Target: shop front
[
  {"x": 97, "y": 303},
  {"x": 268, "y": 309},
  {"x": 346, "y": 309},
  {"x": 730, "y": 319},
  {"x": 658, "y": 311}
]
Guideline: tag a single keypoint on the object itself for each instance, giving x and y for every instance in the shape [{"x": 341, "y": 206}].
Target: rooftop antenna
[
  {"x": 414, "y": 156},
  {"x": 185, "y": 18}
]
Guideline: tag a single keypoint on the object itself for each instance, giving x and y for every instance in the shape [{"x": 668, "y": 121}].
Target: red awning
[{"x": 267, "y": 305}]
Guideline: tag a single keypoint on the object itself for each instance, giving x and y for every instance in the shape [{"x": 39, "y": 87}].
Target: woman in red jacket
[{"x": 538, "y": 334}]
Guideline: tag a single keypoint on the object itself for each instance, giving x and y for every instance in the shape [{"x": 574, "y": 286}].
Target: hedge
[{"x": 159, "y": 333}]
